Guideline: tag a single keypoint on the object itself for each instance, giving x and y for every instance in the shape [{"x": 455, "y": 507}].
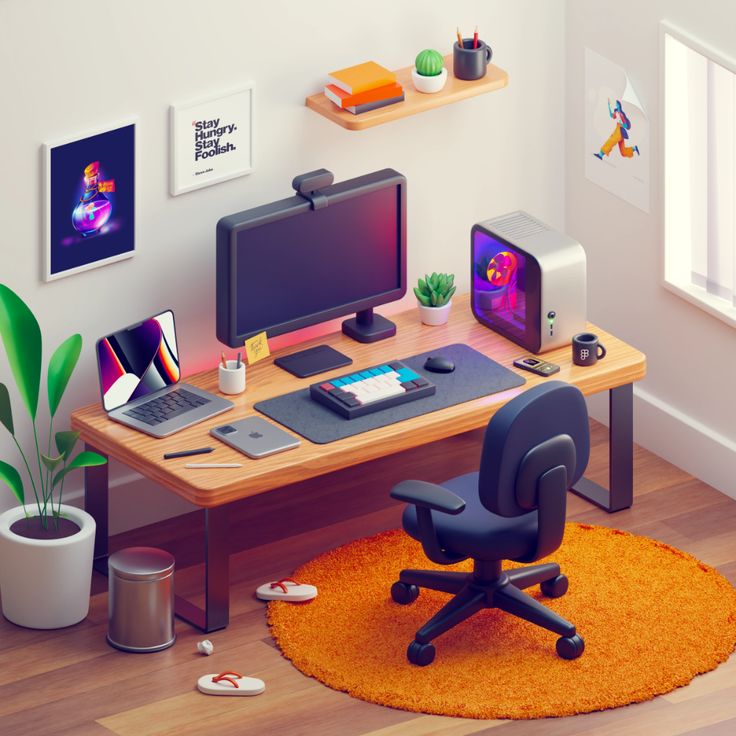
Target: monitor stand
[{"x": 368, "y": 327}]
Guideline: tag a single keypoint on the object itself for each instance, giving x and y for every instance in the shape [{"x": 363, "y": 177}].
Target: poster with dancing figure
[{"x": 617, "y": 145}]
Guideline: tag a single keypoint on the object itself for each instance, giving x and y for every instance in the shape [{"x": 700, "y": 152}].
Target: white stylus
[{"x": 213, "y": 465}]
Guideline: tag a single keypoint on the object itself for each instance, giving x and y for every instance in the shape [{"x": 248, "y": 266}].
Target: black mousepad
[{"x": 475, "y": 375}]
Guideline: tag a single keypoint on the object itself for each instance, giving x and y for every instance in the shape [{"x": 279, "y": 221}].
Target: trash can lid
[{"x": 141, "y": 563}]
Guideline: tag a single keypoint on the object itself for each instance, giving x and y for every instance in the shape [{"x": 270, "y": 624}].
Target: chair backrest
[{"x": 543, "y": 428}]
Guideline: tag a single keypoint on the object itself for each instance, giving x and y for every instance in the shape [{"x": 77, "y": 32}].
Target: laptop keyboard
[{"x": 165, "y": 407}]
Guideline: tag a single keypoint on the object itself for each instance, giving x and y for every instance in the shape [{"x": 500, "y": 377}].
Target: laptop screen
[{"x": 138, "y": 360}]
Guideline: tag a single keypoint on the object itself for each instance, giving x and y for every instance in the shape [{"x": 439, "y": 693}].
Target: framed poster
[
  {"x": 211, "y": 140},
  {"x": 617, "y": 148},
  {"x": 89, "y": 200}
]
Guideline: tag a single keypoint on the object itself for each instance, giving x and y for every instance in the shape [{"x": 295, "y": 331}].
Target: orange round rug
[{"x": 652, "y": 618}]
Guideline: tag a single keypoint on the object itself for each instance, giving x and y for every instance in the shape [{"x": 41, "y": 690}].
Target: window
[{"x": 699, "y": 174}]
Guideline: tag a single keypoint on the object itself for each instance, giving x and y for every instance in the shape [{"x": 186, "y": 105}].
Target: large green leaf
[
  {"x": 6, "y": 411},
  {"x": 61, "y": 367},
  {"x": 21, "y": 336},
  {"x": 10, "y": 475},
  {"x": 85, "y": 459},
  {"x": 65, "y": 442}
]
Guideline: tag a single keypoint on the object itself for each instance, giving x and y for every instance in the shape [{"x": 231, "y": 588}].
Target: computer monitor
[{"x": 321, "y": 254}]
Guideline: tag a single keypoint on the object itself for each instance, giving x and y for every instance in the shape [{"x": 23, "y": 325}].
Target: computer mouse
[{"x": 439, "y": 364}]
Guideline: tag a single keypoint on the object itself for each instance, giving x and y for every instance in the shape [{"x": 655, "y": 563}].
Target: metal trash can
[{"x": 141, "y": 599}]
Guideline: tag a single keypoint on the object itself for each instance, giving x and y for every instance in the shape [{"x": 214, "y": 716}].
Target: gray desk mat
[{"x": 474, "y": 376}]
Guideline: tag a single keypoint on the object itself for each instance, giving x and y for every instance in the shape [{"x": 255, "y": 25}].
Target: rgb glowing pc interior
[{"x": 528, "y": 281}]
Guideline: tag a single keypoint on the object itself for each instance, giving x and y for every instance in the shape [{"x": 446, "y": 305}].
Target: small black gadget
[
  {"x": 311, "y": 361},
  {"x": 535, "y": 365}
]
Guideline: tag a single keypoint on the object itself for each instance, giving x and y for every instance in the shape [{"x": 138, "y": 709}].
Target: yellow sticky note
[{"x": 256, "y": 348}]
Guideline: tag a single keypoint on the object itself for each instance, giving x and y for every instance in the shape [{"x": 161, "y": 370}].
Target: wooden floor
[{"x": 71, "y": 682}]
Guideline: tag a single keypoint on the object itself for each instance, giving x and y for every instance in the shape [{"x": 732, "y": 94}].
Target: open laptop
[{"x": 140, "y": 380}]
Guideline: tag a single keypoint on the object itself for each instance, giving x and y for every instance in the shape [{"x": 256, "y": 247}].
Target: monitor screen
[
  {"x": 138, "y": 360},
  {"x": 501, "y": 281},
  {"x": 315, "y": 261}
]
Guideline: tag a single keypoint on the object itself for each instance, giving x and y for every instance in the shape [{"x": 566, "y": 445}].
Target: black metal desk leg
[
  {"x": 620, "y": 494},
  {"x": 96, "y": 492},
  {"x": 216, "y": 613}
]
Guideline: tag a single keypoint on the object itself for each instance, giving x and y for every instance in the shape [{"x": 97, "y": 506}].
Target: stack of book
[{"x": 364, "y": 87}]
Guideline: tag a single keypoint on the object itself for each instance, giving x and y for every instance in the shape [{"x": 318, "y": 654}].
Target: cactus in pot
[{"x": 429, "y": 74}]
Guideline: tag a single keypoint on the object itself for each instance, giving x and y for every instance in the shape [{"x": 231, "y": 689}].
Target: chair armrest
[{"x": 428, "y": 496}]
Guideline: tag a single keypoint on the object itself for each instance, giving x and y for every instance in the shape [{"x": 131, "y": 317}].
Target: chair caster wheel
[
  {"x": 570, "y": 647},
  {"x": 556, "y": 587},
  {"x": 420, "y": 654},
  {"x": 404, "y": 594}
]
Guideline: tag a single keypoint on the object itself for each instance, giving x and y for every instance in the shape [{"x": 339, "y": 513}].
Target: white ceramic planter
[
  {"x": 429, "y": 85},
  {"x": 434, "y": 316},
  {"x": 45, "y": 583}
]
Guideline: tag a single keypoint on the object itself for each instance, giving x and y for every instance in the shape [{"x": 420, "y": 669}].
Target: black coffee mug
[
  {"x": 470, "y": 63},
  {"x": 586, "y": 350}
]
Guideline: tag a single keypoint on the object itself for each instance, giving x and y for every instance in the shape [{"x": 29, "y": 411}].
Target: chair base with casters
[
  {"x": 535, "y": 448},
  {"x": 487, "y": 587}
]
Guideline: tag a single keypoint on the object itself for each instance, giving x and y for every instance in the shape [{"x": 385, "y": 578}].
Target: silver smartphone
[{"x": 255, "y": 437}]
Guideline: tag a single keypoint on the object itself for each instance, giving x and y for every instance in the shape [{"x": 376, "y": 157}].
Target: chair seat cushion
[{"x": 476, "y": 532}]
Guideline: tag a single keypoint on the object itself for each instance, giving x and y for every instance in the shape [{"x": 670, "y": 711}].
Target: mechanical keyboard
[
  {"x": 167, "y": 406},
  {"x": 374, "y": 389}
]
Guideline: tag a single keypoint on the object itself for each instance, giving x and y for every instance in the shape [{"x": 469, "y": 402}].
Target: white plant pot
[
  {"x": 428, "y": 85},
  {"x": 434, "y": 316},
  {"x": 45, "y": 583}
]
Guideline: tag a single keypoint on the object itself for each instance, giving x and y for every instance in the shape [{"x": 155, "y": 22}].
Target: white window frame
[{"x": 696, "y": 295}]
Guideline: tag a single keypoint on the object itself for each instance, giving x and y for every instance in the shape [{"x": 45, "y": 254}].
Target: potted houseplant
[
  {"x": 46, "y": 547},
  {"x": 434, "y": 297},
  {"x": 429, "y": 74}
]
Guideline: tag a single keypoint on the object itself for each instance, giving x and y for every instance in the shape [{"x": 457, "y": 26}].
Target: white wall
[
  {"x": 686, "y": 405},
  {"x": 65, "y": 68}
]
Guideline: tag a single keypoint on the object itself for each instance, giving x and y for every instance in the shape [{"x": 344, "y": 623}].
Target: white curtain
[{"x": 707, "y": 141}]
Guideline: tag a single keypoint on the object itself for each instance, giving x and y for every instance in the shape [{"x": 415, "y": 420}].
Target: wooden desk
[{"x": 213, "y": 490}]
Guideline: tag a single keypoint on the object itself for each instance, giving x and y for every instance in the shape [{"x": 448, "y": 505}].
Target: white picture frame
[
  {"x": 64, "y": 161},
  {"x": 222, "y": 149}
]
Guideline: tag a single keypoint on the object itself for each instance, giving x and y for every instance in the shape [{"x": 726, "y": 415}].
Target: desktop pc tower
[{"x": 528, "y": 281}]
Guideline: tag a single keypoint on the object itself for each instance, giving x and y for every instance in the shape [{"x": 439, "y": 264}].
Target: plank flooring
[{"x": 70, "y": 682}]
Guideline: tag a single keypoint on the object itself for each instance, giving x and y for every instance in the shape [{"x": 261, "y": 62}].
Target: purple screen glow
[{"x": 499, "y": 283}]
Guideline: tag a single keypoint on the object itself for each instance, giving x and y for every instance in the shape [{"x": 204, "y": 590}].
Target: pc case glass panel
[{"x": 505, "y": 289}]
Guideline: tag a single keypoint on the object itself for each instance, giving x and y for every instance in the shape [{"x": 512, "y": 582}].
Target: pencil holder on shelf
[
  {"x": 232, "y": 378},
  {"x": 468, "y": 62}
]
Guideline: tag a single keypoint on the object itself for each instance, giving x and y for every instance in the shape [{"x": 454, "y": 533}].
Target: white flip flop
[
  {"x": 230, "y": 683},
  {"x": 286, "y": 589}
]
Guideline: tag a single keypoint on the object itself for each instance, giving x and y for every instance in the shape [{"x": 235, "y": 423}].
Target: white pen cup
[{"x": 232, "y": 378}]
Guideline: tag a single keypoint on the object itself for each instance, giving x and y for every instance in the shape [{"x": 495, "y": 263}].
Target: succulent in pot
[{"x": 434, "y": 297}]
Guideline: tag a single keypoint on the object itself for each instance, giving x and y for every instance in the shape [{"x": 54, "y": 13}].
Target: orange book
[
  {"x": 342, "y": 99},
  {"x": 359, "y": 78}
]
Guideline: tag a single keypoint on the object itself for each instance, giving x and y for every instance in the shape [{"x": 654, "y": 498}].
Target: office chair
[{"x": 535, "y": 448}]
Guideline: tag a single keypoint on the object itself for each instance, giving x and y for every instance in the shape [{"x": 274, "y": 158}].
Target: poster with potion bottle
[{"x": 90, "y": 201}]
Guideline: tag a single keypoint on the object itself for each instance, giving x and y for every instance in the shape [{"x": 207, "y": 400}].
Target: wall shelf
[{"x": 414, "y": 102}]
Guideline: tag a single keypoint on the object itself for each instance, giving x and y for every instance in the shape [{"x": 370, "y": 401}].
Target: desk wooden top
[{"x": 213, "y": 487}]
